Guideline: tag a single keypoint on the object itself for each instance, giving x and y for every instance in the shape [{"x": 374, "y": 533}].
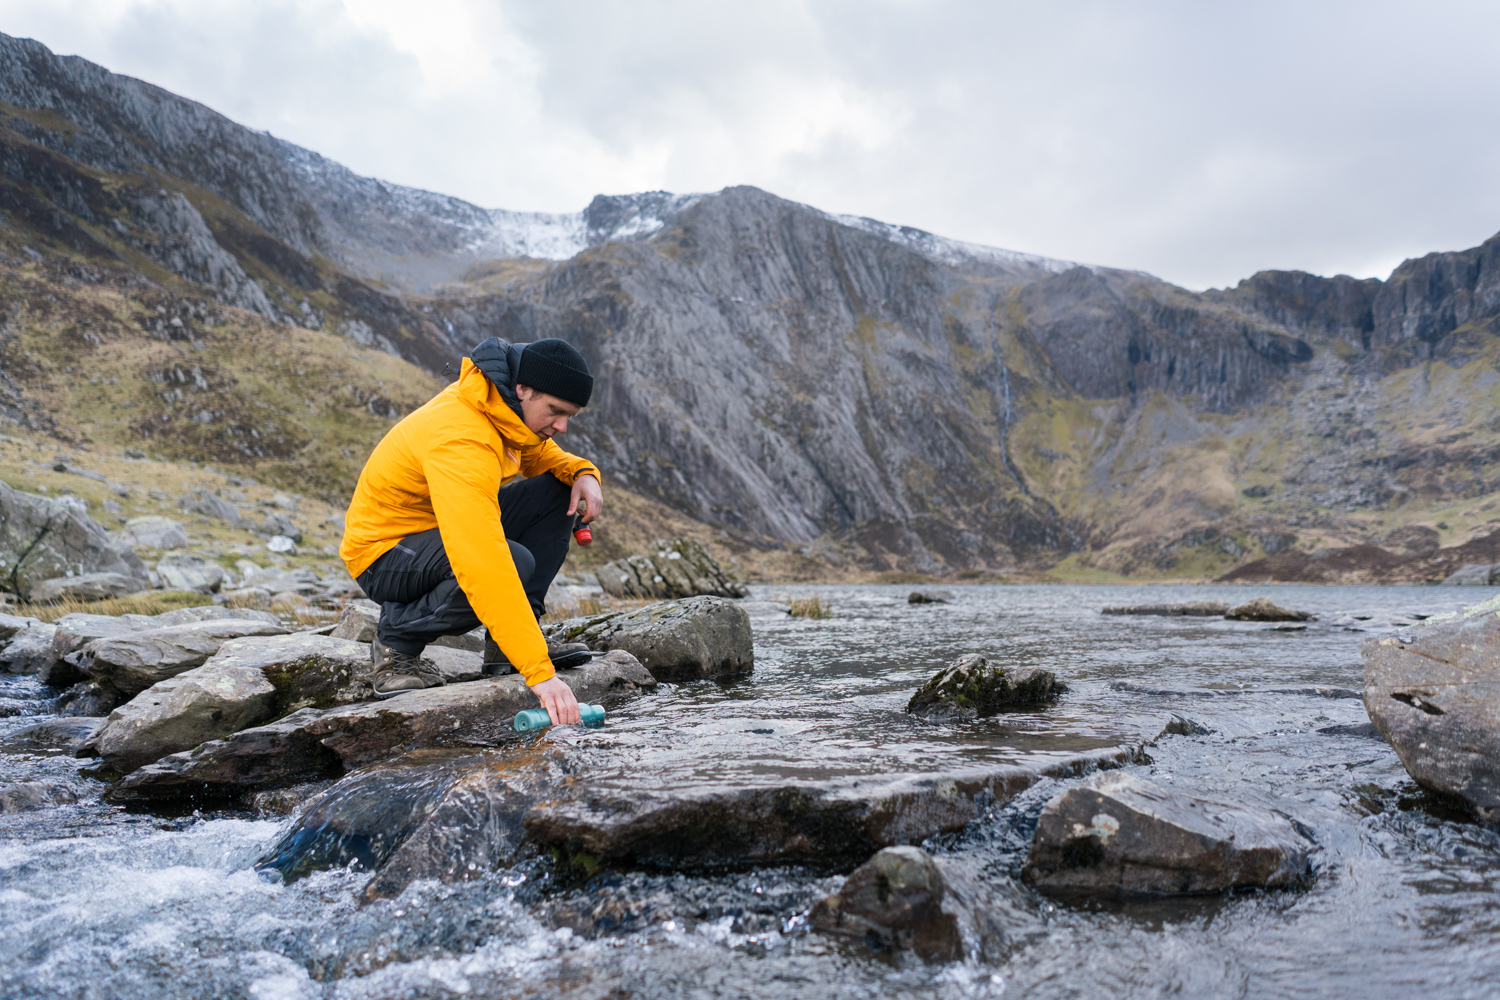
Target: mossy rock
[{"x": 973, "y": 687}]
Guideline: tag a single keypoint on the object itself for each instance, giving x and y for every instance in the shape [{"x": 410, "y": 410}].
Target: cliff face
[{"x": 841, "y": 386}]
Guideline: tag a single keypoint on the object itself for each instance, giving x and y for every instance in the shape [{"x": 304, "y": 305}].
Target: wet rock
[
  {"x": 1435, "y": 700},
  {"x": 29, "y": 651},
  {"x": 930, "y": 597},
  {"x": 973, "y": 687},
  {"x": 248, "y": 681},
  {"x": 135, "y": 662},
  {"x": 181, "y": 571},
  {"x": 154, "y": 533},
  {"x": 430, "y": 814},
  {"x": 894, "y": 902},
  {"x": 55, "y": 736},
  {"x": 283, "y": 801},
  {"x": 1364, "y": 730},
  {"x": 1474, "y": 575},
  {"x": 1262, "y": 610},
  {"x": 824, "y": 823},
  {"x": 26, "y": 796},
  {"x": 1181, "y": 725},
  {"x": 43, "y": 539},
  {"x": 1192, "y": 609},
  {"x": 1117, "y": 834},
  {"x": 766, "y": 610},
  {"x": 692, "y": 639},
  {"x": 85, "y": 587},
  {"x": 312, "y": 744},
  {"x": 88, "y": 698},
  {"x": 673, "y": 569}
]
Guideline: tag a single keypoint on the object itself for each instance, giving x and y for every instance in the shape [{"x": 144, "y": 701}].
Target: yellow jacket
[{"x": 441, "y": 467}]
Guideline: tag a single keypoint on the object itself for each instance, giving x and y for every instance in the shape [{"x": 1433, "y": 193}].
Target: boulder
[
  {"x": 469, "y": 642},
  {"x": 88, "y": 698},
  {"x": 357, "y": 622},
  {"x": 1436, "y": 700},
  {"x": 447, "y": 815},
  {"x": 55, "y": 736},
  {"x": 154, "y": 532},
  {"x": 277, "y": 523},
  {"x": 311, "y": 744},
  {"x": 973, "y": 687},
  {"x": 691, "y": 639},
  {"x": 29, "y": 651},
  {"x": 1262, "y": 610},
  {"x": 1192, "y": 609},
  {"x": 74, "y": 631},
  {"x": 279, "y": 581},
  {"x": 181, "y": 571},
  {"x": 136, "y": 661},
  {"x": 1118, "y": 835},
  {"x": 456, "y": 665},
  {"x": 85, "y": 587},
  {"x": 247, "y": 682},
  {"x": 1473, "y": 575},
  {"x": 43, "y": 539},
  {"x": 673, "y": 569},
  {"x": 894, "y": 902},
  {"x": 202, "y": 501},
  {"x": 930, "y": 597},
  {"x": 11, "y": 624}
]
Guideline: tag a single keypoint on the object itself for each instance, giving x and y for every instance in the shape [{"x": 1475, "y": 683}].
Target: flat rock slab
[
  {"x": 312, "y": 744},
  {"x": 248, "y": 681},
  {"x": 830, "y": 823},
  {"x": 1119, "y": 835},
  {"x": 1436, "y": 700},
  {"x": 29, "y": 651},
  {"x": 1262, "y": 610},
  {"x": 1192, "y": 609},
  {"x": 134, "y": 662},
  {"x": 692, "y": 639},
  {"x": 974, "y": 687}
]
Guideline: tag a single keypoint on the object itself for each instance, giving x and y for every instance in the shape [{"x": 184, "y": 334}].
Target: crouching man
[{"x": 433, "y": 536}]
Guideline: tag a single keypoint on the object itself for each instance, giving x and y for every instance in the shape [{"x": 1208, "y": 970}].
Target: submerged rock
[
  {"x": 312, "y": 744},
  {"x": 25, "y": 796},
  {"x": 1436, "y": 700},
  {"x": 930, "y": 597},
  {"x": 1262, "y": 610},
  {"x": 692, "y": 639},
  {"x": 1192, "y": 609},
  {"x": 674, "y": 569},
  {"x": 1181, "y": 725},
  {"x": 894, "y": 902},
  {"x": 1117, "y": 834},
  {"x": 136, "y": 661},
  {"x": 974, "y": 687},
  {"x": 55, "y": 736}
]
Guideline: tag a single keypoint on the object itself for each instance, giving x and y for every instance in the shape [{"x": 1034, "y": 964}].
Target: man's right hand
[{"x": 557, "y": 698}]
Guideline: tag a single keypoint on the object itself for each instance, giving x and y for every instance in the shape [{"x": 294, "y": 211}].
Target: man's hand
[
  {"x": 557, "y": 698},
  {"x": 586, "y": 488}
]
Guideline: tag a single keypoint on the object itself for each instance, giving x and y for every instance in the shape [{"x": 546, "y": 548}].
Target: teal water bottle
[{"x": 537, "y": 718}]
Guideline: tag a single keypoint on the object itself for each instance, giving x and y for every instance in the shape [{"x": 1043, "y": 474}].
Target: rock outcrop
[
  {"x": 672, "y": 569},
  {"x": 692, "y": 639},
  {"x": 1118, "y": 835},
  {"x": 974, "y": 687},
  {"x": 43, "y": 539},
  {"x": 153, "y": 532},
  {"x": 1436, "y": 700}
]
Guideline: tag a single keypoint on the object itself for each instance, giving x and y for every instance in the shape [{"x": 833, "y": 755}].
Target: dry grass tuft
[
  {"x": 153, "y": 603},
  {"x": 809, "y": 606}
]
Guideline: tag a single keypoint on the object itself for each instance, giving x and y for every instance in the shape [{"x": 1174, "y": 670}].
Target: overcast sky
[{"x": 1200, "y": 141}]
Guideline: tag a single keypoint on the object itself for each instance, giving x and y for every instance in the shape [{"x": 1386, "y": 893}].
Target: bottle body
[{"x": 537, "y": 718}]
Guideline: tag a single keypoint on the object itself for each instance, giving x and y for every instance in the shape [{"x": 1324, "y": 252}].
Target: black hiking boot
[
  {"x": 564, "y": 655},
  {"x": 393, "y": 673}
]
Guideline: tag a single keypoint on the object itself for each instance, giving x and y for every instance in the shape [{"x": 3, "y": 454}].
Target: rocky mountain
[{"x": 863, "y": 394}]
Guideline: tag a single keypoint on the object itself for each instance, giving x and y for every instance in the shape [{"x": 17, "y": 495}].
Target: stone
[
  {"x": 55, "y": 736},
  {"x": 85, "y": 587},
  {"x": 11, "y": 624},
  {"x": 1262, "y": 610},
  {"x": 181, "y": 571},
  {"x": 357, "y": 623},
  {"x": 277, "y": 523},
  {"x": 765, "y": 610},
  {"x": 678, "y": 568},
  {"x": 1436, "y": 700},
  {"x": 973, "y": 687},
  {"x": 154, "y": 532},
  {"x": 930, "y": 597},
  {"x": 247, "y": 682},
  {"x": 202, "y": 501},
  {"x": 1181, "y": 725},
  {"x": 691, "y": 639},
  {"x": 135, "y": 662},
  {"x": 1192, "y": 609},
  {"x": 438, "y": 814},
  {"x": 29, "y": 651},
  {"x": 26, "y": 796},
  {"x": 1116, "y": 834},
  {"x": 282, "y": 544},
  {"x": 88, "y": 698},
  {"x": 278, "y": 581},
  {"x": 44, "y": 539},
  {"x": 894, "y": 902},
  {"x": 76, "y": 630},
  {"x": 1473, "y": 575},
  {"x": 313, "y": 744},
  {"x": 456, "y": 665},
  {"x": 471, "y": 641}
]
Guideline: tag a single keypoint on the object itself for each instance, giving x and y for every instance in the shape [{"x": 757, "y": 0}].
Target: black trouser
[{"x": 421, "y": 601}]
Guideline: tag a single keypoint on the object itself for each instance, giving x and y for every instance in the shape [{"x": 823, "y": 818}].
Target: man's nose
[{"x": 560, "y": 425}]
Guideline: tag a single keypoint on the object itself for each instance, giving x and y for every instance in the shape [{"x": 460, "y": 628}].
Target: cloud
[{"x": 1197, "y": 141}]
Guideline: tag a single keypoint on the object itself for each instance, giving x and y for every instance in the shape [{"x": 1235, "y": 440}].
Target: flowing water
[{"x": 96, "y": 902}]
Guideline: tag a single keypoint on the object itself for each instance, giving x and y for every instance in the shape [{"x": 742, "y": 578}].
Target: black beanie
[{"x": 555, "y": 367}]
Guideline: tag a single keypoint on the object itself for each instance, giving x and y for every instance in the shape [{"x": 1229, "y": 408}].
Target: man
[{"x": 433, "y": 536}]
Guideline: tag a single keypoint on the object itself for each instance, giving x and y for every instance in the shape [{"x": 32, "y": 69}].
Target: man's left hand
[{"x": 586, "y": 488}]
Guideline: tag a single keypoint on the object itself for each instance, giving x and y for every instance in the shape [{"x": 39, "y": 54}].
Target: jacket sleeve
[
  {"x": 464, "y": 480},
  {"x": 548, "y": 457}
]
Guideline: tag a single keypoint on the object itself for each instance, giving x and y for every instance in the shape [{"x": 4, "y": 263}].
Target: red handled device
[{"x": 582, "y": 532}]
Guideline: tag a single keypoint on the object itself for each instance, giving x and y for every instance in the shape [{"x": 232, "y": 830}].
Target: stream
[{"x": 97, "y": 902}]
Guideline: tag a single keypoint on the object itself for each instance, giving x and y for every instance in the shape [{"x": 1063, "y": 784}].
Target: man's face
[{"x": 545, "y": 415}]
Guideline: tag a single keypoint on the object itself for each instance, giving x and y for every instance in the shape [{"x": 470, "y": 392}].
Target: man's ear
[{"x": 524, "y": 392}]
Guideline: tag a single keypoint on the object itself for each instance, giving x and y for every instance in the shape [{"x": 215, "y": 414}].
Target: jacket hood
[{"x": 476, "y": 389}]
